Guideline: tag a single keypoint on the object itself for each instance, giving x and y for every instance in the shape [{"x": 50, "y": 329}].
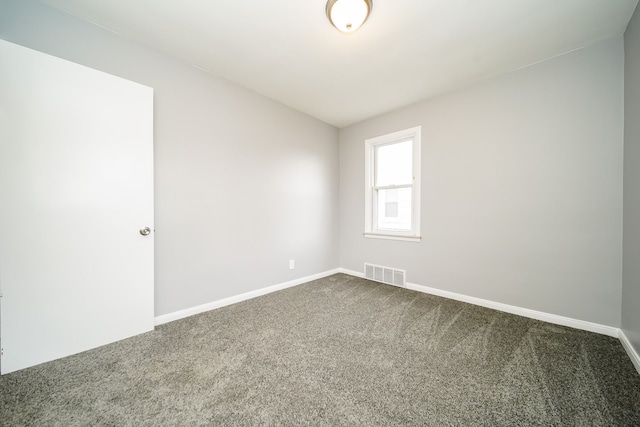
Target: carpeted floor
[{"x": 336, "y": 351}]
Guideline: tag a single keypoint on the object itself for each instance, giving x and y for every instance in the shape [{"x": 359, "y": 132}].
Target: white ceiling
[{"x": 407, "y": 51}]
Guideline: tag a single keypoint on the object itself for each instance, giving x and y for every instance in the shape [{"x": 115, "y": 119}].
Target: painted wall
[
  {"x": 521, "y": 188},
  {"x": 631, "y": 265},
  {"x": 243, "y": 184}
]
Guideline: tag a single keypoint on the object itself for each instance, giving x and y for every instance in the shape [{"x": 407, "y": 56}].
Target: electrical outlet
[{"x": 292, "y": 264}]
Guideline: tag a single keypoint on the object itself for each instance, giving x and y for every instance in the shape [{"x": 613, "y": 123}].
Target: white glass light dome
[{"x": 348, "y": 15}]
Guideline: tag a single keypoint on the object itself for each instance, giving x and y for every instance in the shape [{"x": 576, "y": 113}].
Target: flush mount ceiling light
[{"x": 348, "y": 15}]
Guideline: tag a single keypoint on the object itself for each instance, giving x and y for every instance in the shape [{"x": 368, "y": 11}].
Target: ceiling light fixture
[{"x": 348, "y": 15}]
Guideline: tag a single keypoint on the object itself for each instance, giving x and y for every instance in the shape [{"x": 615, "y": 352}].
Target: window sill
[{"x": 405, "y": 238}]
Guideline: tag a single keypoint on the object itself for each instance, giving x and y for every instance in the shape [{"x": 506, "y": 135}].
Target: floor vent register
[{"x": 390, "y": 276}]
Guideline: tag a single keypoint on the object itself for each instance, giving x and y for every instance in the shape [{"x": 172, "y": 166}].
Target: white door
[{"x": 76, "y": 188}]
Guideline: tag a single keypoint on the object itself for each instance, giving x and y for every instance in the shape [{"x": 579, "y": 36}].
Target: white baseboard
[
  {"x": 525, "y": 312},
  {"x": 351, "y": 272},
  {"x": 165, "y": 318},
  {"x": 633, "y": 355}
]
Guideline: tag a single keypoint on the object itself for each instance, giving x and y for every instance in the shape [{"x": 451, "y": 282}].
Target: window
[{"x": 392, "y": 198}]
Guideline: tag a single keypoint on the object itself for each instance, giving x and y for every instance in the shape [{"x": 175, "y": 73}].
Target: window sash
[
  {"x": 376, "y": 212},
  {"x": 391, "y": 187},
  {"x": 376, "y": 163}
]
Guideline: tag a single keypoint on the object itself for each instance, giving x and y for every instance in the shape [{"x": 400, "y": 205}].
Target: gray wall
[
  {"x": 521, "y": 188},
  {"x": 243, "y": 184},
  {"x": 631, "y": 270}
]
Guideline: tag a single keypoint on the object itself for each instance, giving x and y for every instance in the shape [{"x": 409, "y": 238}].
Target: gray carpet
[{"x": 336, "y": 351}]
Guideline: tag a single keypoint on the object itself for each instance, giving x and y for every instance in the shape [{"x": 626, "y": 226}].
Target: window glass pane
[
  {"x": 394, "y": 209},
  {"x": 391, "y": 204},
  {"x": 394, "y": 164},
  {"x": 391, "y": 209}
]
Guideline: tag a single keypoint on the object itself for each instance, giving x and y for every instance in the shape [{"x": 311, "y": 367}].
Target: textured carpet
[{"x": 336, "y": 351}]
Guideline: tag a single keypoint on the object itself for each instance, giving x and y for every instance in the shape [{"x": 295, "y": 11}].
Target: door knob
[{"x": 145, "y": 231}]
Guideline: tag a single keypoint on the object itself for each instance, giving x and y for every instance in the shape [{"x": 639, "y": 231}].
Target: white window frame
[{"x": 370, "y": 190}]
